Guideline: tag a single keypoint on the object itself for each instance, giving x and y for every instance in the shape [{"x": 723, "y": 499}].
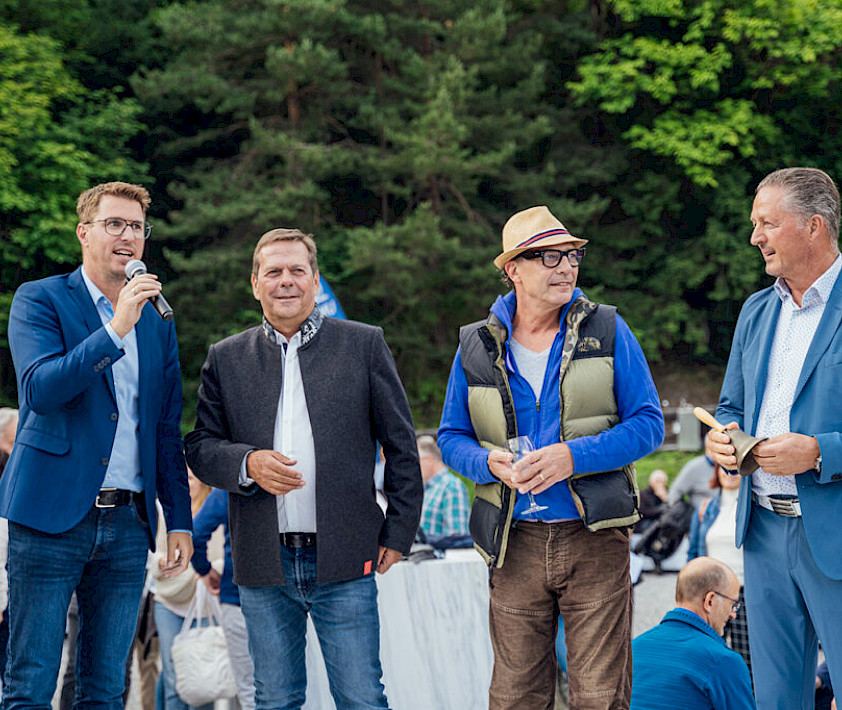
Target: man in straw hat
[
  {"x": 545, "y": 345},
  {"x": 784, "y": 383}
]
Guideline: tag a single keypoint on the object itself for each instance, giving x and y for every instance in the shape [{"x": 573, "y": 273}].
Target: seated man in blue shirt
[{"x": 684, "y": 662}]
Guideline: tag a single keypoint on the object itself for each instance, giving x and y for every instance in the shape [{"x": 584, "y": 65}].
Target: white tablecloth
[{"x": 434, "y": 643}]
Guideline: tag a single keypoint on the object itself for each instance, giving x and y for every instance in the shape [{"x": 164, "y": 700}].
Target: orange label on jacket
[{"x": 367, "y": 567}]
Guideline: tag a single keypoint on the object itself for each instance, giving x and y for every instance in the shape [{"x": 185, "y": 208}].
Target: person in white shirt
[{"x": 289, "y": 416}]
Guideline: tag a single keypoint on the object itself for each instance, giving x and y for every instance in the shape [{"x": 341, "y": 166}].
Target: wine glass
[{"x": 520, "y": 446}]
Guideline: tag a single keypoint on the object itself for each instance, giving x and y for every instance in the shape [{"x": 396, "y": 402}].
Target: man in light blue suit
[
  {"x": 98, "y": 437},
  {"x": 784, "y": 382}
]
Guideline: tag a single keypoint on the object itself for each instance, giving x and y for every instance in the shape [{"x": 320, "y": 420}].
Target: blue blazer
[
  {"x": 68, "y": 409},
  {"x": 816, "y": 411}
]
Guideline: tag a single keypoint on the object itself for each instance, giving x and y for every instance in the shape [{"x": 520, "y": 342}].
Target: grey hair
[
  {"x": 506, "y": 280},
  {"x": 807, "y": 191},
  {"x": 427, "y": 447}
]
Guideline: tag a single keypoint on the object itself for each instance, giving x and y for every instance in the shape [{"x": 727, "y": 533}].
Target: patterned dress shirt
[{"x": 793, "y": 336}]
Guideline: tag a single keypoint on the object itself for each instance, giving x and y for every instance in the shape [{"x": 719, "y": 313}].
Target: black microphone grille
[{"x": 135, "y": 267}]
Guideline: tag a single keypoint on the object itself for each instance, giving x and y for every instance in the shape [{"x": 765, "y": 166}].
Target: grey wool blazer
[{"x": 354, "y": 398}]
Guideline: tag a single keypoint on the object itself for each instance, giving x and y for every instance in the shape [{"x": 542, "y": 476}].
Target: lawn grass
[{"x": 669, "y": 461}]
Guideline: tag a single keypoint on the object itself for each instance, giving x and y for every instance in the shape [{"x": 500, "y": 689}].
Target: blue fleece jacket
[
  {"x": 212, "y": 514},
  {"x": 639, "y": 432}
]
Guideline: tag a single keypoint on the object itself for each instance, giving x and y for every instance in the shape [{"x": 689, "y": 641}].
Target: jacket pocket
[
  {"x": 49, "y": 443},
  {"x": 605, "y": 500}
]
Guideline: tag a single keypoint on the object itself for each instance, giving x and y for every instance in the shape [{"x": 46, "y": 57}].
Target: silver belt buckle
[
  {"x": 784, "y": 506},
  {"x": 104, "y": 505}
]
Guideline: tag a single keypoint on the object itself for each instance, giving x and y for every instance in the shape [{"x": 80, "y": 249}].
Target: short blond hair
[
  {"x": 88, "y": 202},
  {"x": 285, "y": 235}
]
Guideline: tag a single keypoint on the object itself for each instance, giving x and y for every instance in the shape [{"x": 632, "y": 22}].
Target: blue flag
[{"x": 327, "y": 302}]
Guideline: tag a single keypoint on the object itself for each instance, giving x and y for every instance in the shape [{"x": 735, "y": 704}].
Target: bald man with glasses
[{"x": 684, "y": 661}]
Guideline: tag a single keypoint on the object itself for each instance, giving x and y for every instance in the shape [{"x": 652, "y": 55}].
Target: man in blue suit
[
  {"x": 98, "y": 436},
  {"x": 784, "y": 383}
]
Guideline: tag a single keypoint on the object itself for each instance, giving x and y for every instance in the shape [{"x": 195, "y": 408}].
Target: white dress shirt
[
  {"x": 793, "y": 336},
  {"x": 294, "y": 438}
]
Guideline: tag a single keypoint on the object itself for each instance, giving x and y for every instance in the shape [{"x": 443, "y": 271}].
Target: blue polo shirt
[{"x": 683, "y": 663}]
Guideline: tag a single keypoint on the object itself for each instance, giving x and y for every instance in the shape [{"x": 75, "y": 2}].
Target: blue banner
[{"x": 327, "y": 302}]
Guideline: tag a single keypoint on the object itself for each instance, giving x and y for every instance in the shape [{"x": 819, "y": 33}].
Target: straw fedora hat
[{"x": 532, "y": 229}]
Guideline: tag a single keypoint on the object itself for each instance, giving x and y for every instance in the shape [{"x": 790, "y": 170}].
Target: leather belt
[
  {"x": 788, "y": 507},
  {"x": 113, "y": 497},
  {"x": 298, "y": 539}
]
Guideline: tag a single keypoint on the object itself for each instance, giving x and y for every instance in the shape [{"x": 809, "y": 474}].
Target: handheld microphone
[{"x": 135, "y": 267}]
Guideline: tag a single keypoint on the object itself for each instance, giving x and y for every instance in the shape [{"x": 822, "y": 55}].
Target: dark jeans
[
  {"x": 4, "y": 642},
  {"x": 552, "y": 569},
  {"x": 103, "y": 559}
]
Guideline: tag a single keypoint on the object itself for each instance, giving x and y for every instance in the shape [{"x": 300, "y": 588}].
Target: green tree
[
  {"x": 401, "y": 134},
  {"x": 103, "y": 42},
  {"x": 56, "y": 139},
  {"x": 707, "y": 97}
]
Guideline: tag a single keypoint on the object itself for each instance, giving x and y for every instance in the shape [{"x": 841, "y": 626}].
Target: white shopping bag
[{"x": 200, "y": 655}]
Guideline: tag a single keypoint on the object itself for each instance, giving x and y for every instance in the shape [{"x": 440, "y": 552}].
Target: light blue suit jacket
[
  {"x": 68, "y": 409},
  {"x": 816, "y": 411}
]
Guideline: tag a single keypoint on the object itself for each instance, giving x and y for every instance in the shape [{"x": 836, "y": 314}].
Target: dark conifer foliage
[{"x": 402, "y": 135}]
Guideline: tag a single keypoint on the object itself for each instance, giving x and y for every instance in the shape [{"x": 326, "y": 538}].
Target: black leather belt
[
  {"x": 298, "y": 540},
  {"x": 112, "y": 497}
]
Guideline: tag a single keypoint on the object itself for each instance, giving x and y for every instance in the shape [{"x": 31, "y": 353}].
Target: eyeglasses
[
  {"x": 115, "y": 226},
  {"x": 736, "y": 604},
  {"x": 552, "y": 257}
]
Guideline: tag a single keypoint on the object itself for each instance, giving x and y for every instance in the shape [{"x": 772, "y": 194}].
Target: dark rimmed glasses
[
  {"x": 736, "y": 604},
  {"x": 115, "y": 226},
  {"x": 552, "y": 257}
]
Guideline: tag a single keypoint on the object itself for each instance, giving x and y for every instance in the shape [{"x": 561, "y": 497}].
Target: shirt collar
[
  {"x": 693, "y": 619},
  {"x": 430, "y": 482},
  {"x": 93, "y": 289},
  {"x": 818, "y": 292},
  {"x": 307, "y": 329}
]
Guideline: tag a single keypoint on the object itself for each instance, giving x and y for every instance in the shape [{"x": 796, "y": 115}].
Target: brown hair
[
  {"x": 714, "y": 479},
  {"x": 285, "y": 235},
  {"x": 88, "y": 202}
]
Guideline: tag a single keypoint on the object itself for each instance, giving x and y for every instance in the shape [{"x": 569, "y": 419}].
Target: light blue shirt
[{"x": 124, "y": 463}]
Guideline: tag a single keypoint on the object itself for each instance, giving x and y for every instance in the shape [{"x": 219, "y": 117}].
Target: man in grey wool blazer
[{"x": 288, "y": 418}]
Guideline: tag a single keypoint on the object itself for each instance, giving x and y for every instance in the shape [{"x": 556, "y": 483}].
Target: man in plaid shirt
[{"x": 446, "y": 506}]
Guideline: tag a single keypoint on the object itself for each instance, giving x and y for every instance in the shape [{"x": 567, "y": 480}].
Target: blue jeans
[
  {"x": 168, "y": 624},
  {"x": 346, "y": 621},
  {"x": 103, "y": 559}
]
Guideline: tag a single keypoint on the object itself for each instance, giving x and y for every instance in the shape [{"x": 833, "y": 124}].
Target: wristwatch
[{"x": 818, "y": 464}]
